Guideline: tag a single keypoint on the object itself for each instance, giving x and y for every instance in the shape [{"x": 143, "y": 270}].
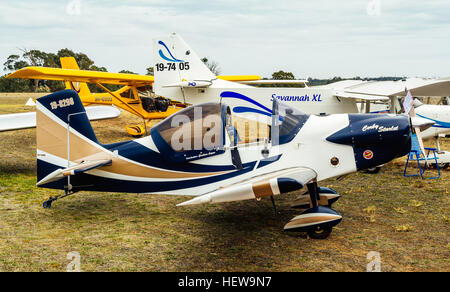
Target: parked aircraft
[
  {"x": 197, "y": 152},
  {"x": 180, "y": 74}
]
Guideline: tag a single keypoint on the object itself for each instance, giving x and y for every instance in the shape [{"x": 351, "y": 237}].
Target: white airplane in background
[
  {"x": 440, "y": 114},
  {"x": 181, "y": 75}
]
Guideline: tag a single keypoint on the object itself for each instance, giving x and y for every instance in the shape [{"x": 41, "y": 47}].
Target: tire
[
  {"x": 320, "y": 232},
  {"x": 373, "y": 170},
  {"x": 444, "y": 165}
]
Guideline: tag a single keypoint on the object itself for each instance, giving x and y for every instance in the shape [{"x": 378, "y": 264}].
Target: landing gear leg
[
  {"x": 317, "y": 221},
  {"x": 318, "y": 232},
  {"x": 273, "y": 204},
  {"x": 313, "y": 193}
]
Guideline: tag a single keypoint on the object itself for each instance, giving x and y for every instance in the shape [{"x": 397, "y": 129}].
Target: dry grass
[{"x": 404, "y": 219}]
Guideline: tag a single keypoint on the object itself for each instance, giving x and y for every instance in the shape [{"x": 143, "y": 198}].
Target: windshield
[{"x": 290, "y": 120}]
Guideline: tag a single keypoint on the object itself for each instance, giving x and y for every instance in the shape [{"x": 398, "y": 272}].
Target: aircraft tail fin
[
  {"x": 63, "y": 132},
  {"x": 80, "y": 87},
  {"x": 176, "y": 62}
]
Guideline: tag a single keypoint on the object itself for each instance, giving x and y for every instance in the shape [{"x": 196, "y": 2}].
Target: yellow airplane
[{"x": 133, "y": 97}]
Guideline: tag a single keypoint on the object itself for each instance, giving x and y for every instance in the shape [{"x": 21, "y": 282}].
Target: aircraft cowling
[{"x": 376, "y": 139}]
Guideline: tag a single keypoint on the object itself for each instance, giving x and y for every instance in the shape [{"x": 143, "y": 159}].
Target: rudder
[
  {"x": 174, "y": 62},
  {"x": 80, "y": 87},
  {"x": 61, "y": 118}
]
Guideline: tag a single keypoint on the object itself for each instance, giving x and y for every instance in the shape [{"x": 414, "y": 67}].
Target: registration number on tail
[
  {"x": 172, "y": 66},
  {"x": 62, "y": 103}
]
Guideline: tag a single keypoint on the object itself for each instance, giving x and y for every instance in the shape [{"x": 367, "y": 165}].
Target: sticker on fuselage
[{"x": 368, "y": 154}]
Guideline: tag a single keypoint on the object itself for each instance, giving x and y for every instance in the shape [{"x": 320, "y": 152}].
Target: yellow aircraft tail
[{"x": 80, "y": 87}]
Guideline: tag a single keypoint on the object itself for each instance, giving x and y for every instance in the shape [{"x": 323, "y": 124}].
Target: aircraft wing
[
  {"x": 272, "y": 184},
  {"x": 44, "y": 73},
  {"x": 82, "y": 76},
  {"x": 19, "y": 121},
  {"x": 239, "y": 78},
  {"x": 250, "y": 82},
  {"x": 382, "y": 90},
  {"x": 370, "y": 97}
]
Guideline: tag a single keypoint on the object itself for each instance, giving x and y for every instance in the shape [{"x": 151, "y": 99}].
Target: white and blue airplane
[
  {"x": 181, "y": 75},
  {"x": 195, "y": 152}
]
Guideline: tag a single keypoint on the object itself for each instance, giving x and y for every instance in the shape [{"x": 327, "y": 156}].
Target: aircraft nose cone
[{"x": 376, "y": 139}]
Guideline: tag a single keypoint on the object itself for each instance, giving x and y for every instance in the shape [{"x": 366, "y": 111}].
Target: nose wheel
[
  {"x": 320, "y": 232},
  {"x": 317, "y": 221}
]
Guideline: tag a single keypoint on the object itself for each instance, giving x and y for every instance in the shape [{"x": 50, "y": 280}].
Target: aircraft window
[
  {"x": 290, "y": 122},
  {"x": 251, "y": 131},
  {"x": 197, "y": 128},
  {"x": 127, "y": 94}
]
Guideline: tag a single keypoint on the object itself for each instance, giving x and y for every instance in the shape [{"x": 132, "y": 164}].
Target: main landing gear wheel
[{"x": 320, "y": 232}]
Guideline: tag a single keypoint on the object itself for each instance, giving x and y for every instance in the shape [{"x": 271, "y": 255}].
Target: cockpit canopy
[
  {"x": 286, "y": 122},
  {"x": 193, "y": 133},
  {"x": 199, "y": 131}
]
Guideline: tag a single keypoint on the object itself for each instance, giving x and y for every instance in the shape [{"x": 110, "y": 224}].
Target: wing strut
[{"x": 120, "y": 99}]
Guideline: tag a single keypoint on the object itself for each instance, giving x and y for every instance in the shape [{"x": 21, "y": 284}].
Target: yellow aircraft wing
[
  {"x": 239, "y": 78},
  {"x": 82, "y": 76},
  {"x": 44, "y": 73}
]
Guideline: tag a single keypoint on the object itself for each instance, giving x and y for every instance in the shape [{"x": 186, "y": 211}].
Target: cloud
[{"x": 310, "y": 38}]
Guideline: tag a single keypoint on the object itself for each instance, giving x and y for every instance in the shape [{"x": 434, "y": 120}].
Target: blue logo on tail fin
[{"x": 168, "y": 51}]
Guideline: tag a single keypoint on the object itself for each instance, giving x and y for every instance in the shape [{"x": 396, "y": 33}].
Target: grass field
[{"x": 406, "y": 220}]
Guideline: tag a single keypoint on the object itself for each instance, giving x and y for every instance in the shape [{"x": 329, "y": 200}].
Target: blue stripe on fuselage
[
  {"x": 141, "y": 154},
  {"x": 88, "y": 182},
  {"x": 440, "y": 123}
]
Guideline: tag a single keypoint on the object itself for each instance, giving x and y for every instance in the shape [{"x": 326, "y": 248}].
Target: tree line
[{"x": 37, "y": 58}]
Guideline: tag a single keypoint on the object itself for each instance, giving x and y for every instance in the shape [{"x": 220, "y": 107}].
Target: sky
[{"x": 320, "y": 39}]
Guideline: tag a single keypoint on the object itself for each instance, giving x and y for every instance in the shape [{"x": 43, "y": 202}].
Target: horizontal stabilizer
[
  {"x": 79, "y": 168},
  {"x": 195, "y": 84}
]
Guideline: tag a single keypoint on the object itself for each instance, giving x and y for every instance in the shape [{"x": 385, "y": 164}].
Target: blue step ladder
[{"x": 417, "y": 154}]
